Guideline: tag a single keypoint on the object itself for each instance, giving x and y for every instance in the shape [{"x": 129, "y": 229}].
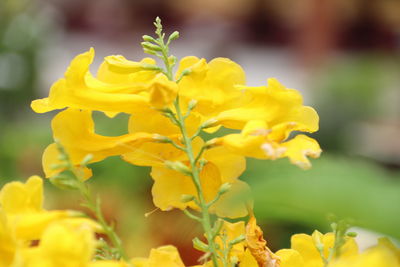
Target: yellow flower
[
  {"x": 8, "y": 242},
  {"x": 65, "y": 243},
  {"x": 122, "y": 86},
  {"x": 22, "y": 204},
  {"x": 222, "y": 167},
  {"x": 152, "y": 153},
  {"x": 212, "y": 84},
  {"x": 166, "y": 256},
  {"x": 305, "y": 245},
  {"x": 274, "y": 104},
  {"x": 74, "y": 129},
  {"x": 374, "y": 257},
  {"x": 259, "y": 141},
  {"x": 162, "y": 91},
  {"x": 290, "y": 258}
]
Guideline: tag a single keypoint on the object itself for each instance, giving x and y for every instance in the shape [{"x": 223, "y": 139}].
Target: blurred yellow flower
[
  {"x": 304, "y": 250},
  {"x": 166, "y": 256},
  {"x": 22, "y": 204}
]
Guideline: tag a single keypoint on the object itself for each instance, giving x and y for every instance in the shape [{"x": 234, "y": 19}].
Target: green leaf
[{"x": 346, "y": 187}]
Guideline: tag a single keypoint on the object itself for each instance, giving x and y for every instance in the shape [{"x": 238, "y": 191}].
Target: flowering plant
[{"x": 169, "y": 116}]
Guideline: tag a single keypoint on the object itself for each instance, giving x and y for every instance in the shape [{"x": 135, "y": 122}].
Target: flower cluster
[
  {"x": 170, "y": 114},
  {"x": 212, "y": 95}
]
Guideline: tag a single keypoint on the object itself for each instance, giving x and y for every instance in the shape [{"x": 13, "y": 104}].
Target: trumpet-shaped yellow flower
[
  {"x": 274, "y": 104},
  {"x": 123, "y": 86},
  {"x": 74, "y": 129},
  {"x": 257, "y": 140}
]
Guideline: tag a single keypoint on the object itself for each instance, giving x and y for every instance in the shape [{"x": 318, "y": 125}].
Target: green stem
[
  {"x": 206, "y": 220},
  {"x": 95, "y": 207}
]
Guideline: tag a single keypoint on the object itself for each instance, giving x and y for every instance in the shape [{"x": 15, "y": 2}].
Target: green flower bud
[
  {"x": 187, "y": 198},
  {"x": 173, "y": 36},
  {"x": 179, "y": 167}
]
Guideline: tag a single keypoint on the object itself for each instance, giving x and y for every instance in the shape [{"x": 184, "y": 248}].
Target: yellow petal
[
  {"x": 30, "y": 226},
  {"x": 304, "y": 244},
  {"x": 298, "y": 148},
  {"x": 79, "y": 89},
  {"x": 62, "y": 245},
  {"x": 248, "y": 260},
  {"x": 377, "y": 256},
  {"x": 16, "y": 197},
  {"x": 233, "y": 203},
  {"x": 8, "y": 242},
  {"x": 170, "y": 185},
  {"x": 162, "y": 91},
  {"x": 212, "y": 84},
  {"x": 232, "y": 231},
  {"x": 75, "y": 131},
  {"x": 290, "y": 258},
  {"x": 273, "y": 104},
  {"x": 167, "y": 256},
  {"x": 230, "y": 165}
]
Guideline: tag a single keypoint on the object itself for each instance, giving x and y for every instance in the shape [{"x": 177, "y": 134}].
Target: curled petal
[
  {"x": 298, "y": 148},
  {"x": 79, "y": 89}
]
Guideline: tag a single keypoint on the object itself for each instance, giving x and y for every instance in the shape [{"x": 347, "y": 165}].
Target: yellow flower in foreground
[
  {"x": 22, "y": 204},
  {"x": 166, "y": 256},
  {"x": 8, "y": 242},
  {"x": 374, "y": 257},
  {"x": 65, "y": 243},
  {"x": 305, "y": 246}
]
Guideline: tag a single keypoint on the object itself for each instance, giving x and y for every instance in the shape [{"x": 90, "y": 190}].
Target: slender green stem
[
  {"x": 95, "y": 207},
  {"x": 91, "y": 203},
  {"x": 195, "y": 175}
]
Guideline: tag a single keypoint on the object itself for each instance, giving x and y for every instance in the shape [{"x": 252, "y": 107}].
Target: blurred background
[{"x": 343, "y": 55}]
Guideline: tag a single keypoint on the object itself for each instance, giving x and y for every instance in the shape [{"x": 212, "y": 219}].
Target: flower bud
[
  {"x": 187, "y": 198},
  {"x": 148, "y": 38},
  {"x": 225, "y": 188},
  {"x": 179, "y": 167},
  {"x": 173, "y": 36}
]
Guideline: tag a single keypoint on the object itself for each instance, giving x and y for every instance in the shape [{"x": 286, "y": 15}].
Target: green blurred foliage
[
  {"x": 23, "y": 30},
  {"x": 347, "y": 188},
  {"x": 351, "y": 90}
]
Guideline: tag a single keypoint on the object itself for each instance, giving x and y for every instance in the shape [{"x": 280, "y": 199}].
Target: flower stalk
[{"x": 75, "y": 180}]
